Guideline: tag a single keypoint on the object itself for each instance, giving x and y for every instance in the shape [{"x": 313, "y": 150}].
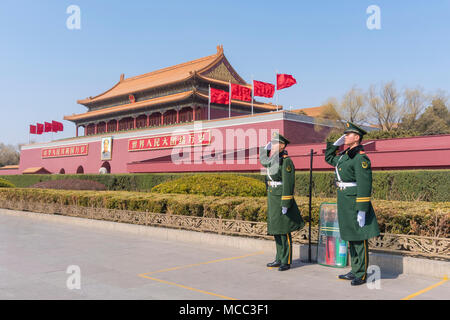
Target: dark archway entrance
[{"x": 107, "y": 166}]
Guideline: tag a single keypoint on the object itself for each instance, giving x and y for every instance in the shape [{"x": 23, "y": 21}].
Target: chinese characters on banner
[
  {"x": 65, "y": 151},
  {"x": 170, "y": 141}
]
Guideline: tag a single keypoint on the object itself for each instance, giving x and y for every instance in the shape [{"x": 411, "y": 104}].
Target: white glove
[
  {"x": 361, "y": 218},
  {"x": 268, "y": 146},
  {"x": 284, "y": 210},
  {"x": 340, "y": 141}
]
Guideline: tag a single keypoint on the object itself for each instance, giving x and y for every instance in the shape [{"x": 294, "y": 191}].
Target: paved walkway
[{"x": 36, "y": 254}]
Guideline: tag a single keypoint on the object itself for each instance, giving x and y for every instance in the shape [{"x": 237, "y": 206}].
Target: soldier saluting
[
  {"x": 283, "y": 214},
  {"x": 357, "y": 220}
]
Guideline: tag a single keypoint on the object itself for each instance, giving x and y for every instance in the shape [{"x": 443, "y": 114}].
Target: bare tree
[
  {"x": 414, "y": 102},
  {"x": 352, "y": 106},
  {"x": 330, "y": 113},
  {"x": 329, "y": 110},
  {"x": 384, "y": 106},
  {"x": 374, "y": 102},
  {"x": 9, "y": 155}
]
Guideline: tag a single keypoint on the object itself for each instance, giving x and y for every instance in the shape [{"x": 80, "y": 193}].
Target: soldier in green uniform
[
  {"x": 283, "y": 214},
  {"x": 357, "y": 220}
]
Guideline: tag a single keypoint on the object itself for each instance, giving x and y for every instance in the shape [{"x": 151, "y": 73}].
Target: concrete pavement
[{"x": 35, "y": 256}]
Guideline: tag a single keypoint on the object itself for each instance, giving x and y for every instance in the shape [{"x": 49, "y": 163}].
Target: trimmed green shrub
[
  {"x": 405, "y": 185},
  {"x": 401, "y": 217},
  {"x": 223, "y": 185},
  {"x": 128, "y": 182},
  {"x": 402, "y": 185},
  {"x": 70, "y": 184},
  {"x": 6, "y": 184}
]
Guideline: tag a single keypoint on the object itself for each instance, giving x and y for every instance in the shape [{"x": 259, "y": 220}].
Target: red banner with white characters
[
  {"x": 170, "y": 141},
  {"x": 65, "y": 151}
]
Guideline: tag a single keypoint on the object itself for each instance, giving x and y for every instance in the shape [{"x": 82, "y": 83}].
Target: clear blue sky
[{"x": 45, "y": 67}]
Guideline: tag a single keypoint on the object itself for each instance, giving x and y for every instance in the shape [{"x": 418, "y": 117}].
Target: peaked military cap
[
  {"x": 351, "y": 127},
  {"x": 279, "y": 138}
]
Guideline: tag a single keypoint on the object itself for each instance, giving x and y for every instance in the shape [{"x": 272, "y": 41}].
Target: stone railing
[{"x": 404, "y": 244}]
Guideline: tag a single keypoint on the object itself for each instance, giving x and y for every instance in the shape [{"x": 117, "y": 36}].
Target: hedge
[
  {"x": 127, "y": 182},
  {"x": 404, "y": 185},
  {"x": 6, "y": 184},
  {"x": 222, "y": 185},
  {"x": 401, "y": 185},
  {"x": 70, "y": 184},
  {"x": 401, "y": 217}
]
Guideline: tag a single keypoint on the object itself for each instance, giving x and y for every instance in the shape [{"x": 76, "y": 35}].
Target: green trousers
[
  {"x": 359, "y": 253},
  {"x": 284, "y": 248}
]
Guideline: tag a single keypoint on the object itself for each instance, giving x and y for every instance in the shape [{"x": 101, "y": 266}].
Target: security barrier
[{"x": 331, "y": 249}]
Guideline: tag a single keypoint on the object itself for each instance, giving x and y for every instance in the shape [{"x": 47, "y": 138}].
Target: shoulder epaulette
[{"x": 362, "y": 152}]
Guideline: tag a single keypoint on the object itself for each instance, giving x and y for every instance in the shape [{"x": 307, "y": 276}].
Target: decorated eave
[
  {"x": 202, "y": 69},
  {"x": 136, "y": 106},
  {"x": 167, "y": 76}
]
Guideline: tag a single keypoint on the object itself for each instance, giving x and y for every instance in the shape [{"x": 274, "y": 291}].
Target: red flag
[
  {"x": 263, "y": 89},
  {"x": 60, "y": 126},
  {"x": 40, "y": 128},
  {"x": 47, "y": 126},
  {"x": 32, "y": 129},
  {"x": 55, "y": 126},
  {"x": 241, "y": 93},
  {"x": 285, "y": 81},
  {"x": 220, "y": 96}
]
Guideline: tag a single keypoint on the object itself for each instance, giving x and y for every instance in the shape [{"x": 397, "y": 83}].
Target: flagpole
[
  {"x": 253, "y": 89},
  {"x": 209, "y": 101},
  {"x": 276, "y": 91},
  {"x": 229, "y": 99}
]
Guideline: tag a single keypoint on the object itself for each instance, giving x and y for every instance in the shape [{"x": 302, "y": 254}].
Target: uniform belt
[
  {"x": 343, "y": 185},
  {"x": 274, "y": 183}
]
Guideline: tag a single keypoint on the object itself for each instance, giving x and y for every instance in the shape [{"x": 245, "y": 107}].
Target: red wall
[
  {"x": 427, "y": 152},
  {"x": 431, "y": 152},
  {"x": 121, "y": 157},
  {"x": 9, "y": 171}
]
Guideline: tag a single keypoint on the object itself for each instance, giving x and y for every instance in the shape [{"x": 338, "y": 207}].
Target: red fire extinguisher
[{"x": 330, "y": 256}]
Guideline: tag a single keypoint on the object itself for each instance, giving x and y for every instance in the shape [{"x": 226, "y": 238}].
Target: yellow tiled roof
[{"x": 157, "y": 78}]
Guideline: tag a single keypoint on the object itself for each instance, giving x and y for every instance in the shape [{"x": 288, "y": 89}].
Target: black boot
[
  {"x": 284, "y": 267},
  {"x": 358, "y": 281},
  {"x": 348, "y": 276},
  {"x": 274, "y": 264}
]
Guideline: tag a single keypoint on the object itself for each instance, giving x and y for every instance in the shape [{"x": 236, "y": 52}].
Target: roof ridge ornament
[
  {"x": 219, "y": 49},
  {"x": 122, "y": 77}
]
